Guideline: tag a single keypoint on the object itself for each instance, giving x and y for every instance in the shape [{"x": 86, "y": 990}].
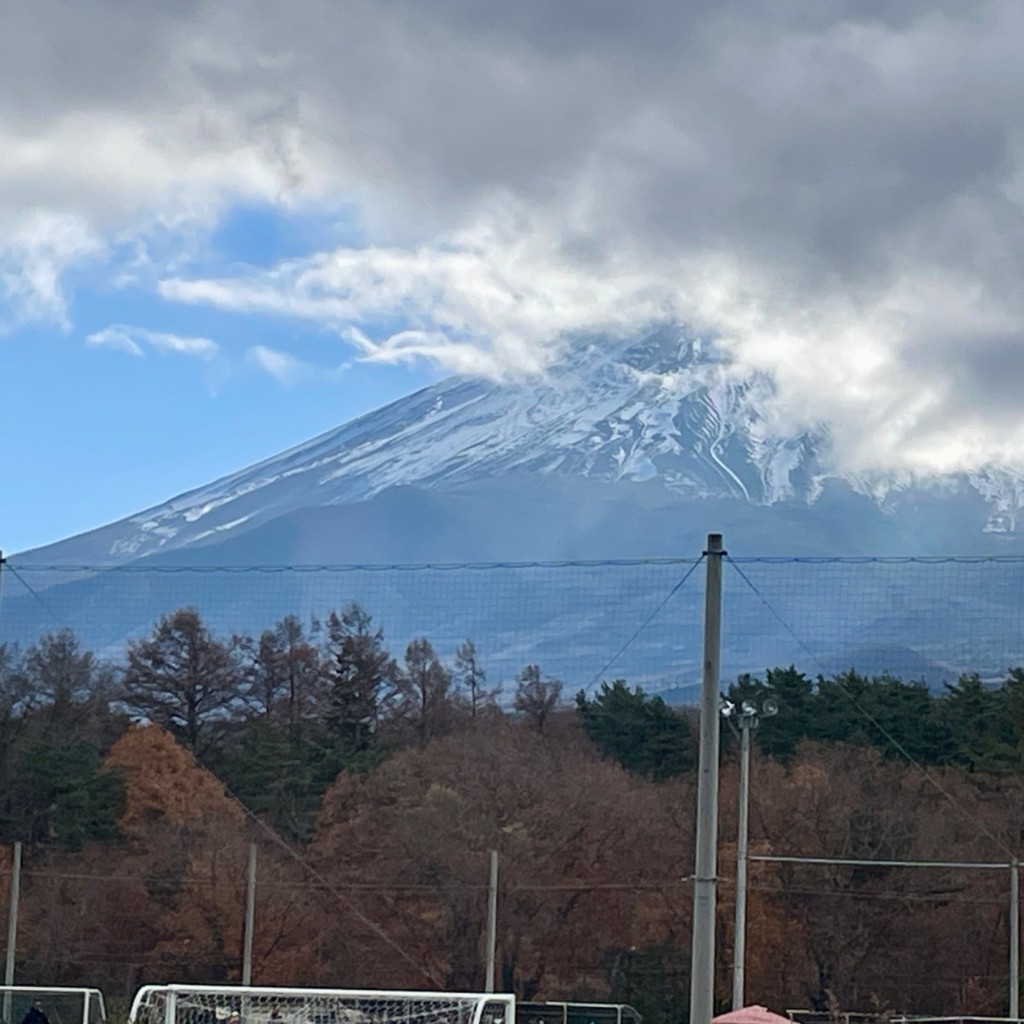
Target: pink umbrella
[{"x": 751, "y": 1015}]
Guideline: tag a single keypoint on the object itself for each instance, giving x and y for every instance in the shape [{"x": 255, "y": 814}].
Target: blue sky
[
  {"x": 95, "y": 433},
  {"x": 225, "y": 228}
]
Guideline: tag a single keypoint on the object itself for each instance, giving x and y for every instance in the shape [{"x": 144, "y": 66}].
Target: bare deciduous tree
[
  {"x": 289, "y": 674},
  {"x": 536, "y": 697},
  {"x": 424, "y": 699},
  {"x": 470, "y": 676},
  {"x": 185, "y": 680}
]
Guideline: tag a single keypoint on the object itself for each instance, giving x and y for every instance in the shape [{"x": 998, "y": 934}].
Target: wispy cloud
[
  {"x": 33, "y": 259},
  {"x": 136, "y": 340},
  {"x": 287, "y": 369},
  {"x": 494, "y": 299}
]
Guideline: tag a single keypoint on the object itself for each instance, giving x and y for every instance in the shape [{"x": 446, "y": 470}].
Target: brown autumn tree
[
  {"x": 289, "y": 675},
  {"x": 192, "y": 840},
  {"x": 60, "y": 672},
  {"x": 470, "y": 677},
  {"x": 424, "y": 707}
]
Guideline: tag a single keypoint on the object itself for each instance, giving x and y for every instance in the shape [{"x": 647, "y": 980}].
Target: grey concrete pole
[
  {"x": 492, "y": 922},
  {"x": 1015, "y": 938},
  {"x": 12, "y": 928},
  {"x": 702, "y": 966},
  {"x": 250, "y": 917},
  {"x": 740, "y": 943}
]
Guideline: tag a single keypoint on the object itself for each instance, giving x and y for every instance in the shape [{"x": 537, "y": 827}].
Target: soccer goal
[
  {"x": 33, "y": 1004},
  {"x": 235, "y": 1004}
]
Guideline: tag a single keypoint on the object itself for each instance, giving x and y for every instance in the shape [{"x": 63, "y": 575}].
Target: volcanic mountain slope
[{"x": 654, "y": 410}]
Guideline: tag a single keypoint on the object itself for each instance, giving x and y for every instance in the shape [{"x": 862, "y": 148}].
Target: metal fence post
[
  {"x": 12, "y": 928},
  {"x": 1014, "y": 938},
  {"x": 492, "y": 922},
  {"x": 250, "y": 917}
]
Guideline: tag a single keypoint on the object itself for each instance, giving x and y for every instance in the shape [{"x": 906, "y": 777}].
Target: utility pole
[
  {"x": 747, "y": 717},
  {"x": 702, "y": 967}
]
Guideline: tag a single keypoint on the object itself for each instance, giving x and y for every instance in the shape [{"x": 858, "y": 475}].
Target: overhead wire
[
  {"x": 644, "y": 625},
  {"x": 6, "y": 563}
]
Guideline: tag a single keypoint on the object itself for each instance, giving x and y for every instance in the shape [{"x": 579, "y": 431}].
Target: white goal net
[
  {"x": 31, "y": 1004},
  {"x": 233, "y": 1004}
]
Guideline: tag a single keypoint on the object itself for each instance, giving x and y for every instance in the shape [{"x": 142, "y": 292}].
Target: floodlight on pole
[{"x": 743, "y": 719}]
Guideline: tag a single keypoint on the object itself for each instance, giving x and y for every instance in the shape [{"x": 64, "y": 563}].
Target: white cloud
[
  {"x": 135, "y": 340},
  {"x": 287, "y": 369},
  {"x": 33, "y": 258},
  {"x": 282, "y": 366},
  {"x": 490, "y": 300},
  {"x": 115, "y": 338}
]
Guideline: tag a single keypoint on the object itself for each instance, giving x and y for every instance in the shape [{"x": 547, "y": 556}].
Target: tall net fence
[
  {"x": 577, "y": 620},
  {"x": 400, "y": 884},
  {"x": 926, "y": 620},
  {"x": 918, "y": 619}
]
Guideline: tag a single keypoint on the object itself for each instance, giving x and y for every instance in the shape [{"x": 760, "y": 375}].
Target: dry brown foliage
[{"x": 591, "y": 860}]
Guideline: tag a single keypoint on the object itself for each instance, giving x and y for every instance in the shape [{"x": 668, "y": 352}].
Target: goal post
[
  {"x": 38, "y": 1004},
  {"x": 246, "y": 1004}
]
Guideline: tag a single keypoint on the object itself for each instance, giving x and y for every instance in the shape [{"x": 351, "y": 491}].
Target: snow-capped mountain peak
[{"x": 655, "y": 409}]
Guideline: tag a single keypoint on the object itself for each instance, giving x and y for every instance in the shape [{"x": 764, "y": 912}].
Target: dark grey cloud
[
  {"x": 989, "y": 376},
  {"x": 820, "y": 134}
]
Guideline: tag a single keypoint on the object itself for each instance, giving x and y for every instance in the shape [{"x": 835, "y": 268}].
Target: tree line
[
  {"x": 277, "y": 717},
  {"x": 972, "y": 723}
]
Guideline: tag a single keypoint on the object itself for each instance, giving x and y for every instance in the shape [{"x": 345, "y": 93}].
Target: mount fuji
[
  {"x": 626, "y": 450},
  {"x": 634, "y": 449}
]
